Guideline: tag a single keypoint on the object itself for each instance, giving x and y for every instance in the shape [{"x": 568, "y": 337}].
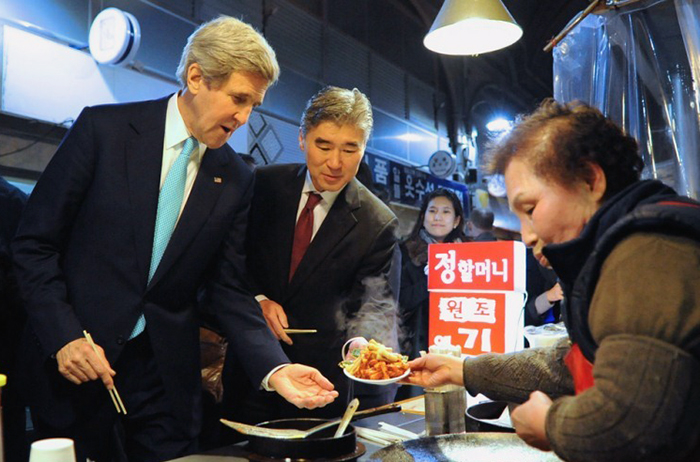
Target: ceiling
[{"x": 514, "y": 79}]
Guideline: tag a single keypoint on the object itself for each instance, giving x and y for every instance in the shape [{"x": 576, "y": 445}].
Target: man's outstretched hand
[{"x": 303, "y": 386}]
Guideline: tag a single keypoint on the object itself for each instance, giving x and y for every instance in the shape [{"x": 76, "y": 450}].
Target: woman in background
[{"x": 441, "y": 219}]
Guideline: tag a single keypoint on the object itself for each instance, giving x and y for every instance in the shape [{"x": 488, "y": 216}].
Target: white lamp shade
[
  {"x": 472, "y": 27},
  {"x": 114, "y": 37}
]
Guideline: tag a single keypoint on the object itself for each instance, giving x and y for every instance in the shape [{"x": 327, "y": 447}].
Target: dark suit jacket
[
  {"x": 355, "y": 241},
  {"x": 83, "y": 250},
  {"x": 486, "y": 236},
  {"x": 11, "y": 314},
  {"x": 12, "y": 320},
  {"x": 539, "y": 280}
]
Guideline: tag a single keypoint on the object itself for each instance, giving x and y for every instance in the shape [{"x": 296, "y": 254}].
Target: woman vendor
[{"x": 626, "y": 387}]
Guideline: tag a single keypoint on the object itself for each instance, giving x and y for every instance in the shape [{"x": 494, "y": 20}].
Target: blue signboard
[{"x": 408, "y": 185}]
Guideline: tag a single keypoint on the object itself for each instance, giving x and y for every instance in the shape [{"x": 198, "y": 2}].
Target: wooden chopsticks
[
  {"x": 113, "y": 393},
  {"x": 300, "y": 331}
]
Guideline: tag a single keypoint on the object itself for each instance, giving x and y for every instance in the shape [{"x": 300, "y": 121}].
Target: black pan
[
  {"x": 466, "y": 447},
  {"x": 321, "y": 445},
  {"x": 482, "y": 417}
]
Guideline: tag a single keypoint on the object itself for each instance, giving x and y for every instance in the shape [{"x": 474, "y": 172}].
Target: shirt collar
[
  {"x": 175, "y": 129},
  {"x": 328, "y": 196}
]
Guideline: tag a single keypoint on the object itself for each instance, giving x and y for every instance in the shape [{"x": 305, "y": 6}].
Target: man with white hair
[{"x": 143, "y": 205}]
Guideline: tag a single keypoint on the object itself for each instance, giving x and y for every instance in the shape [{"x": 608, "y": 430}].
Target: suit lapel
[
  {"x": 144, "y": 156},
  {"x": 204, "y": 195},
  {"x": 338, "y": 223}
]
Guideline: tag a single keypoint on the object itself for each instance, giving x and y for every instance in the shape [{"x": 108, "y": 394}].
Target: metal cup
[{"x": 444, "y": 410}]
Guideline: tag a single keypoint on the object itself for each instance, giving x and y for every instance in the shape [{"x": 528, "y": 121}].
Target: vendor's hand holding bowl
[{"x": 433, "y": 370}]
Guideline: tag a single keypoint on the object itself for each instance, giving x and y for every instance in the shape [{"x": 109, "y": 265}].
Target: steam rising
[{"x": 378, "y": 316}]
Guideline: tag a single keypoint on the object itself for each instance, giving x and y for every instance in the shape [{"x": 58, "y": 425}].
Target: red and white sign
[
  {"x": 488, "y": 266},
  {"x": 476, "y": 296}
]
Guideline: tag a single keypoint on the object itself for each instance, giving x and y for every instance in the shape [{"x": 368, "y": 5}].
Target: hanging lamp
[{"x": 472, "y": 27}]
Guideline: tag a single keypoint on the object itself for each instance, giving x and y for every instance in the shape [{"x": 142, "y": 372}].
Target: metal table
[{"x": 238, "y": 452}]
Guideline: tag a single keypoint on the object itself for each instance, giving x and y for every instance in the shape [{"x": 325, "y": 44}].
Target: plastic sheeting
[{"x": 640, "y": 65}]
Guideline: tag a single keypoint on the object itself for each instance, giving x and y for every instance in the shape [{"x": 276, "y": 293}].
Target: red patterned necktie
[{"x": 303, "y": 231}]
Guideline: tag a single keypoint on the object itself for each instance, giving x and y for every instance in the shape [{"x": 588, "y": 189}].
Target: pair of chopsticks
[
  {"x": 398, "y": 431},
  {"x": 300, "y": 331},
  {"x": 113, "y": 393},
  {"x": 388, "y": 434},
  {"x": 378, "y": 437}
]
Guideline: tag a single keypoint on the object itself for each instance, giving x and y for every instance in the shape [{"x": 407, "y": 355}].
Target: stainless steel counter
[{"x": 238, "y": 452}]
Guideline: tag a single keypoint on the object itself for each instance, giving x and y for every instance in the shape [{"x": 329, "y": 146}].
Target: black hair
[{"x": 456, "y": 204}]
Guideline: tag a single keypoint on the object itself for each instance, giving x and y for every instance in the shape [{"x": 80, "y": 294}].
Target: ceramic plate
[{"x": 378, "y": 382}]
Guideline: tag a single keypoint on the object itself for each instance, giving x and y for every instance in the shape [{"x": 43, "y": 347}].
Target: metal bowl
[{"x": 468, "y": 447}]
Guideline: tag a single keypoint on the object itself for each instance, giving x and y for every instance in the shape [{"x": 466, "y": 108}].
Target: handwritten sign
[
  {"x": 477, "y": 295},
  {"x": 475, "y": 321},
  {"x": 477, "y": 266}
]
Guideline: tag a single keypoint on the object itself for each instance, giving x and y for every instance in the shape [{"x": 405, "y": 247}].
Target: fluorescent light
[
  {"x": 499, "y": 125},
  {"x": 410, "y": 137}
]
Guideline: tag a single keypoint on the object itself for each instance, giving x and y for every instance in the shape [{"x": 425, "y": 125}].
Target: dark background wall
[{"x": 423, "y": 102}]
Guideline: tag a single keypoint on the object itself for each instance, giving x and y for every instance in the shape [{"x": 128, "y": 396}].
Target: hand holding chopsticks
[{"x": 113, "y": 393}]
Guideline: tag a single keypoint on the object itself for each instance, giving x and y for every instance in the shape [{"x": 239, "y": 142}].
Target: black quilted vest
[{"x": 646, "y": 206}]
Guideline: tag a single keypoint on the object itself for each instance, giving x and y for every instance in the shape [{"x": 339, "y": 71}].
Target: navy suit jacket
[
  {"x": 354, "y": 244},
  {"x": 12, "y": 316},
  {"x": 83, "y": 250}
]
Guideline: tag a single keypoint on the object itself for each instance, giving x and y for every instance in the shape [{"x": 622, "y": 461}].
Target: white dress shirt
[{"x": 174, "y": 139}]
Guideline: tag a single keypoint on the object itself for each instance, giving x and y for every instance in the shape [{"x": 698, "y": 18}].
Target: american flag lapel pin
[{"x": 217, "y": 179}]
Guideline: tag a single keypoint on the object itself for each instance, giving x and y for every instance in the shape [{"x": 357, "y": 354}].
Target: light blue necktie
[{"x": 169, "y": 204}]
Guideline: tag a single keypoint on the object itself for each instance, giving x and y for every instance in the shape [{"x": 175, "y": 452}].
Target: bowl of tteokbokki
[{"x": 373, "y": 363}]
